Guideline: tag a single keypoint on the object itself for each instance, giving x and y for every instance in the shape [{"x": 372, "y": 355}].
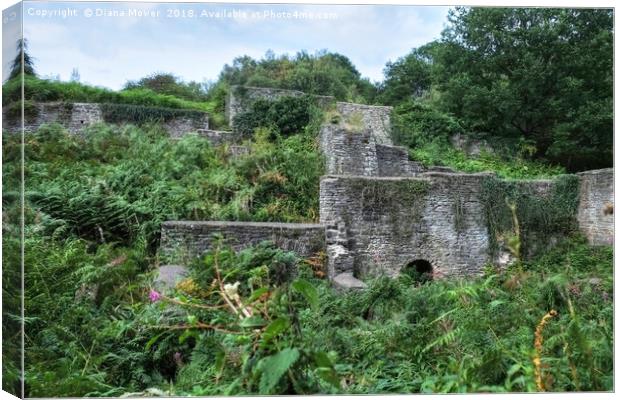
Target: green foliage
[
  {"x": 324, "y": 73},
  {"x": 475, "y": 335},
  {"x": 23, "y": 64},
  {"x": 415, "y": 124},
  {"x": 117, "y": 113},
  {"x": 273, "y": 367},
  {"x": 440, "y": 153},
  {"x": 287, "y": 115},
  {"x": 13, "y": 111},
  {"x": 166, "y": 83},
  {"x": 541, "y": 74},
  {"x": 406, "y": 79},
  {"x": 428, "y": 132},
  {"x": 539, "y": 217},
  {"x": 119, "y": 184},
  {"x": 36, "y": 89}
]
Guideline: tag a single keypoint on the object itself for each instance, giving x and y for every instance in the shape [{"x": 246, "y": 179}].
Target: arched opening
[{"x": 420, "y": 271}]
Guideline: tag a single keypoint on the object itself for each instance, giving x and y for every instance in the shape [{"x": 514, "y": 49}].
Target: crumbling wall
[
  {"x": 78, "y": 116},
  {"x": 357, "y": 152},
  {"x": 596, "y": 206},
  {"x": 378, "y": 225},
  {"x": 41, "y": 113},
  {"x": 84, "y": 115},
  {"x": 394, "y": 161},
  {"x": 181, "y": 241},
  {"x": 218, "y": 138},
  {"x": 374, "y": 118},
  {"x": 177, "y": 127},
  {"x": 348, "y": 152}
]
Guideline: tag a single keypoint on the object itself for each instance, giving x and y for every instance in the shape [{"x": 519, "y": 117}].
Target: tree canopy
[
  {"x": 536, "y": 74},
  {"x": 323, "y": 73}
]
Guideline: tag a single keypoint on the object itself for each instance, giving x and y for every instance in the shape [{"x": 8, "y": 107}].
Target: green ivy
[
  {"x": 139, "y": 115},
  {"x": 540, "y": 216}
]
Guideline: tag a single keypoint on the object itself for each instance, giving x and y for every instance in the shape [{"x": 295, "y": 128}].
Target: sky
[{"x": 111, "y": 43}]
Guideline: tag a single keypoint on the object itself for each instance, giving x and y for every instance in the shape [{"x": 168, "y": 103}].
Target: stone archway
[{"x": 419, "y": 270}]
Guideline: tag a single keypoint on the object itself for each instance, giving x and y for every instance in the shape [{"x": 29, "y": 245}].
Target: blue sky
[{"x": 109, "y": 46}]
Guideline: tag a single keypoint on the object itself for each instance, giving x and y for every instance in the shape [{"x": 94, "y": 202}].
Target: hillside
[{"x": 263, "y": 320}]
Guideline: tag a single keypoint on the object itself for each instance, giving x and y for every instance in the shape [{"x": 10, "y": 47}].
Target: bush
[
  {"x": 43, "y": 90},
  {"x": 288, "y": 115},
  {"x": 414, "y": 124}
]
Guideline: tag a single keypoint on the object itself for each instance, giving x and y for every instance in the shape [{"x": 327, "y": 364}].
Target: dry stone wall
[
  {"x": 374, "y": 118},
  {"x": 78, "y": 116},
  {"x": 596, "y": 206},
  {"x": 182, "y": 241},
  {"x": 218, "y": 138},
  {"x": 44, "y": 113},
  {"x": 360, "y": 151}
]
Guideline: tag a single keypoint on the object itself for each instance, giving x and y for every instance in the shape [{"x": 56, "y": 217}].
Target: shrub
[
  {"x": 288, "y": 115},
  {"x": 414, "y": 124}
]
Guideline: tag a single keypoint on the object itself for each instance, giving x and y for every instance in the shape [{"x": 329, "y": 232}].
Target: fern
[{"x": 272, "y": 368}]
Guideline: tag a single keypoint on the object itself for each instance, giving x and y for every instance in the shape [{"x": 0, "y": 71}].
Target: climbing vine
[
  {"x": 539, "y": 215},
  {"x": 117, "y": 113}
]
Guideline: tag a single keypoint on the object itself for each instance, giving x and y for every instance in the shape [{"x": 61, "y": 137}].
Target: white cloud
[{"x": 109, "y": 52}]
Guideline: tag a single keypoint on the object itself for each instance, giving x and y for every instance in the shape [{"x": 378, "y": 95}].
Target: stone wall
[
  {"x": 84, "y": 115},
  {"x": 596, "y": 206},
  {"x": 394, "y": 161},
  {"x": 218, "y": 138},
  {"x": 374, "y": 118},
  {"x": 181, "y": 241},
  {"x": 351, "y": 152},
  {"x": 178, "y": 127},
  {"x": 44, "y": 113},
  {"x": 348, "y": 152},
  {"x": 78, "y": 116},
  {"x": 379, "y": 225}
]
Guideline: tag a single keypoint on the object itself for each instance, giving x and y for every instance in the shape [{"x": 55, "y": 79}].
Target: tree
[
  {"x": 75, "y": 75},
  {"x": 23, "y": 61},
  {"x": 536, "y": 74},
  {"x": 407, "y": 78},
  {"x": 167, "y": 83},
  {"x": 322, "y": 73}
]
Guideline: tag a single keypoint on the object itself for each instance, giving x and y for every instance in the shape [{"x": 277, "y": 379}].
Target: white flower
[{"x": 231, "y": 290}]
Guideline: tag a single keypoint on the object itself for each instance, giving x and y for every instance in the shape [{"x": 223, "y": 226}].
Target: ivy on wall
[
  {"x": 118, "y": 113},
  {"x": 539, "y": 216}
]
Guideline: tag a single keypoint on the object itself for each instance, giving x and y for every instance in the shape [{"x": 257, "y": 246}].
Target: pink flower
[{"x": 154, "y": 296}]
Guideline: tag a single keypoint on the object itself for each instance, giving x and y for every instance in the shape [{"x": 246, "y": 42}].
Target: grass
[
  {"x": 509, "y": 168},
  {"x": 42, "y": 90}
]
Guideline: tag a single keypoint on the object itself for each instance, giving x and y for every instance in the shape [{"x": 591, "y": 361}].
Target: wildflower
[
  {"x": 154, "y": 296},
  {"x": 232, "y": 290}
]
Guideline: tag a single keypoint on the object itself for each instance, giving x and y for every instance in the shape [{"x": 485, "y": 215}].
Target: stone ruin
[
  {"x": 381, "y": 211},
  {"x": 76, "y": 117}
]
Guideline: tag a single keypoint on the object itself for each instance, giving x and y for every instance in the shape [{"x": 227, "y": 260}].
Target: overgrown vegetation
[
  {"x": 285, "y": 116},
  {"x": 540, "y": 218},
  {"x": 531, "y": 75},
  {"x": 139, "y": 115},
  {"x": 536, "y": 83},
  {"x": 429, "y": 132}
]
